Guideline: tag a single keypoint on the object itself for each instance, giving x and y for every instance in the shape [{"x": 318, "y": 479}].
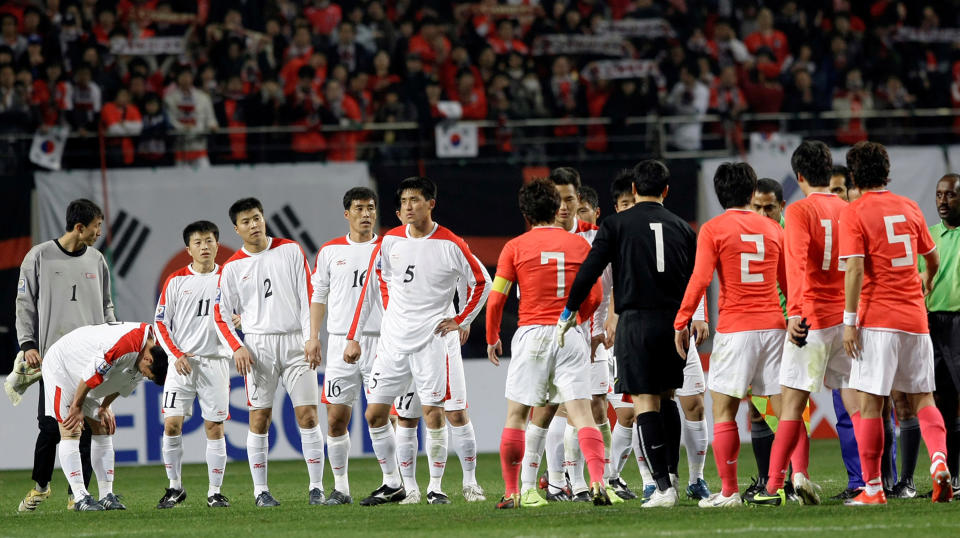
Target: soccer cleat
[
  {"x": 848, "y": 493},
  {"x": 762, "y": 498},
  {"x": 663, "y": 499},
  {"x": 808, "y": 492},
  {"x": 413, "y": 497},
  {"x": 865, "y": 499},
  {"x": 698, "y": 490},
  {"x": 473, "y": 493},
  {"x": 265, "y": 500},
  {"x": 171, "y": 498},
  {"x": 620, "y": 488},
  {"x": 582, "y": 497},
  {"x": 337, "y": 497},
  {"x": 70, "y": 502},
  {"x": 111, "y": 502},
  {"x": 532, "y": 499},
  {"x": 942, "y": 486},
  {"x": 385, "y": 494},
  {"x": 598, "y": 493},
  {"x": 88, "y": 504},
  {"x": 648, "y": 491},
  {"x": 217, "y": 501},
  {"x": 560, "y": 496},
  {"x": 612, "y": 494},
  {"x": 317, "y": 497},
  {"x": 717, "y": 500},
  {"x": 788, "y": 490},
  {"x": 33, "y": 500},
  {"x": 508, "y": 502},
  {"x": 905, "y": 489},
  {"x": 437, "y": 497},
  {"x": 757, "y": 485}
]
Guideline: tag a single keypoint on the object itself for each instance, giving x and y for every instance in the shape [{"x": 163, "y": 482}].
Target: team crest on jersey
[
  {"x": 161, "y": 312},
  {"x": 22, "y": 286},
  {"x": 103, "y": 367}
]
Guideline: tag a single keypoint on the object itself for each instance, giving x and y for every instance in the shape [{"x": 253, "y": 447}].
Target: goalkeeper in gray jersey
[{"x": 64, "y": 284}]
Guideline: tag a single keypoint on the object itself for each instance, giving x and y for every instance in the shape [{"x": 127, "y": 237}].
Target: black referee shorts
[
  {"x": 945, "y": 333},
  {"x": 647, "y": 359}
]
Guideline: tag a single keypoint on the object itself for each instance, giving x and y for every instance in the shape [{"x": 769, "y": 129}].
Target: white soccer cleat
[
  {"x": 808, "y": 491},
  {"x": 717, "y": 500},
  {"x": 473, "y": 493},
  {"x": 20, "y": 378},
  {"x": 413, "y": 497},
  {"x": 663, "y": 499}
]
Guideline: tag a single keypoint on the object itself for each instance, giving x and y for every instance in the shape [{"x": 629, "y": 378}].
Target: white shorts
[
  {"x": 57, "y": 397},
  {"x": 408, "y": 405},
  {"x": 209, "y": 379},
  {"x": 426, "y": 368},
  {"x": 342, "y": 382},
  {"x": 746, "y": 360},
  {"x": 279, "y": 358},
  {"x": 822, "y": 361},
  {"x": 693, "y": 381},
  {"x": 599, "y": 372},
  {"x": 541, "y": 372},
  {"x": 617, "y": 400},
  {"x": 893, "y": 360}
]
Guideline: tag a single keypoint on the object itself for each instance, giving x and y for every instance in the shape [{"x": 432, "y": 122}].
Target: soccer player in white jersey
[
  {"x": 85, "y": 371},
  {"x": 338, "y": 278},
  {"x": 267, "y": 283},
  {"x": 421, "y": 263},
  {"x": 185, "y": 329}
]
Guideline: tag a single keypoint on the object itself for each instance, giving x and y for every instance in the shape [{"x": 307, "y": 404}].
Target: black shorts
[
  {"x": 945, "y": 333},
  {"x": 647, "y": 358}
]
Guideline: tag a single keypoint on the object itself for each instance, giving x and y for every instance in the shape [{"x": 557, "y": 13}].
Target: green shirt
[
  {"x": 945, "y": 296},
  {"x": 783, "y": 298}
]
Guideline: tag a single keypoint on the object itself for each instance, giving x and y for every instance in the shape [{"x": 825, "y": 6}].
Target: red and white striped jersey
[
  {"x": 338, "y": 279},
  {"x": 102, "y": 356},
  {"x": 421, "y": 277},
  {"x": 184, "y": 318},
  {"x": 270, "y": 290}
]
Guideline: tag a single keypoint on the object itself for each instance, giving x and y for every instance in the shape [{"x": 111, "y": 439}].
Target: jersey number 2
[
  {"x": 545, "y": 258},
  {"x": 747, "y": 257}
]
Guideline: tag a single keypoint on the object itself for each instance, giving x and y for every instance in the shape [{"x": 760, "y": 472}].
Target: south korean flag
[{"x": 453, "y": 138}]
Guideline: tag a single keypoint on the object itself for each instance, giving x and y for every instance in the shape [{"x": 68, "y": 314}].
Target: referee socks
[{"x": 653, "y": 443}]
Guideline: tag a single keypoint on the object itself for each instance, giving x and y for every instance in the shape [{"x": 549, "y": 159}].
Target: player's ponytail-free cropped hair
[
  {"x": 424, "y": 186},
  {"x": 813, "y": 161},
  {"x": 159, "y": 366},
  {"x": 622, "y": 184},
  {"x": 244, "y": 204},
  {"x": 200, "y": 227},
  {"x": 767, "y": 185},
  {"x": 361, "y": 194},
  {"x": 589, "y": 196},
  {"x": 565, "y": 175},
  {"x": 651, "y": 177},
  {"x": 539, "y": 201},
  {"x": 734, "y": 184},
  {"x": 82, "y": 211},
  {"x": 869, "y": 165}
]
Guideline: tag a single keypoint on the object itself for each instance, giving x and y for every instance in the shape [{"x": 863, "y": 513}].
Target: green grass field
[{"x": 141, "y": 487}]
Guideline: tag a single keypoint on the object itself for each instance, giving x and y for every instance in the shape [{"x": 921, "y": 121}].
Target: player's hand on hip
[
  {"x": 351, "y": 353},
  {"x": 610, "y": 329},
  {"x": 682, "y": 341},
  {"x": 446, "y": 326},
  {"x": 243, "y": 360},
  {"x": 74, "y": 420},
  {"x": 33, "y": 358},
  {"x": 851, "y": 341},
  {"x": 182, "y": 365},
  {"x": 796, "y": 330},
  {"x": 107, "y": 420},
  {"x": 494, "y": 352},
  {"x": 701, "y": 330},
  {"x": 312, "y": 351},
  {"x": 567, "y": 320},
  {"x": 464, "y": 335}
]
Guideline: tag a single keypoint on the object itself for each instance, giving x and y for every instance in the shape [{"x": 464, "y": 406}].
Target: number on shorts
[
  {"x": 409, "y": 398},
  {"x": 747, "y": 257},
  {"x": 657, "y": 228},
  {"x": 333, "y": 388},
  {"x": 266, "y": 284},
  {"x": 169, "y": 400},
  {"x": 374, "y": 379},
  {"x": 545, "y": 258},
  {"x": 907, "y": 258},
  {"x": 827, "y": 243}
]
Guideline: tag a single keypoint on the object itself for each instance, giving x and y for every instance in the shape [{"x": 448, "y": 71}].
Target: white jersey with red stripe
[
  {"x": 102, "y": 356},
  {"x": 589, "y": 232},
  {"x": 421, "y": 277},
  {"x": 270, "y": 290},
  {"x": 338, "y": 279},
  {"x": 184, "y": 318}
]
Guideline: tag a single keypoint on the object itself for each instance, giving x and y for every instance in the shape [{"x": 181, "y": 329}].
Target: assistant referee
[{"x": 652, "y": 252}]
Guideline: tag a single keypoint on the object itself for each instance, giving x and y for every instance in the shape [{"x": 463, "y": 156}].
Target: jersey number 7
[{"x": 545, "y": 258}]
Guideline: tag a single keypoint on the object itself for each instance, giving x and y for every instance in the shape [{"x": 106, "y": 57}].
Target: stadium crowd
[{"x": 160, "y": 75}]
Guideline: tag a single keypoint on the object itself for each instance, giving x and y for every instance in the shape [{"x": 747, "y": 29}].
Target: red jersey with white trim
[
  {"x": 184, "y": 318},
  {"x": 338, "y": 279},
  {"x": 888, "y": 231},
  {"x": 811, "y": 242},
  {"x": 421, "y": 277},
  {"x": 270, "y": 290},
  {"x": 746, "y": 251},
  {"x": 102, "y": 356}
]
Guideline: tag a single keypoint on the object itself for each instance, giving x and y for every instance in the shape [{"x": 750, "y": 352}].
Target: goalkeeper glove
[{"x": 567, "y": 320}]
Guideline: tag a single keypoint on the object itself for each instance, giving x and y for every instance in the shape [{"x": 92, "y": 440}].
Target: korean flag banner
[
  {"x": 47, "y": 147},
  {"x": 455, "y": 139}
]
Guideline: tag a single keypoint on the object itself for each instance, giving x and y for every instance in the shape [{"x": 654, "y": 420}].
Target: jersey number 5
[
  {"x": 545, "y": 258},
  {"x": 747, "y": 257},
  {"x": 892, "y": 237}
]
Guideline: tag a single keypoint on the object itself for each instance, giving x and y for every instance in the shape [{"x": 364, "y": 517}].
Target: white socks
[
  {"x": 555, "y": 454},
  {"x": 620, "y": 447},
  {"x": 172, "y": 448},
  {"x": 437, "y": 457},
  {"x": 407, "y": 449},
  {"x": 607, "y": 435},
  {"x": 338, "y": 450},
  {"x": 535, "y": 438},
  {"x": 72, "y": 469},
  {"x": 465, "y": 443},
  {"x": 216, "y": 464},
  {"x": 573, "y": 459},
  {"x": 101, "y": 458},
  {"x": 312, "y": 441},
  {"x": 645, "y": 473},
  {"x": 695, "y": 441},
  {"x": 257, "y": 445},
  {"x": 385, "y": 447}
]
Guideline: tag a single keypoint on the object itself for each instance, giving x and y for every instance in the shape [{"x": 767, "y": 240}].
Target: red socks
[
  {"x": 869, "y": 432},
  {"x": 784, "y": 443},
  {"x": 933, "y": 430},
  {"x": 801, "y": 454},
  {"x": 726, "y": 451},
  {"x": 591, "y": 444},
  {"x": 511, "y": 457}
]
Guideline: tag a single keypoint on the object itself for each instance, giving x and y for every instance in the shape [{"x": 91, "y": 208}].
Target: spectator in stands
[
  {"x": 768, "y": 37},
  {"x": 853, "y": 99},
  {"x": 564, "y": 99},
  {"x": 191, "y": 115},
  {"x": 506, "y": 41},
  {"x": 83, "y": 102},
  {"x": 303, "y": 109},
  {"x": 384, "y": 32},
  {"x": 324, "y": 15},
  {"x": 382, "y": 77},
  {"x": 729, "y": 49},
  {"x": 10, "y": 37},
  {"x": 630, "y": 99},
  {"x": 727, "y": 100},
  {"x": 347, "y": 52},
  {"x": 231, "y": 112},
  {"x": 342, "y": 110},
  {"x": 152, "y": 147},
  {"x": 765, "y": 95},
  {"x": 50, "y": 95},
  {"x": 121, "y": 122},
  {"x": 14, "y": 103},
  {"x": 689, "y": 97},
  {"x": 801, "y": 97}
]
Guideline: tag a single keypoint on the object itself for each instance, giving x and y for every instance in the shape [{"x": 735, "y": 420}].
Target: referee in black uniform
[{"x": 652, "y": 253}]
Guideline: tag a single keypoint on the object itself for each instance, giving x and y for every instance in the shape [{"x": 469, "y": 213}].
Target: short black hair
[
  {"x": 200, "y": 227},
  {"x": 565, "y": 175},
  {"x": 766, "y": 185},
  {"x": 82, "y": 211},
  {"x": 651, "y": 177},
  {"x": 734, "y": 184},
  {"x": 244, "y": 204},
  {"x": 427, "y": 188},
  {"x": 589, "y": 195},
  {"x": 539, "y": 201},
  {"x": 841, "y": 170},
  {"x": 812, "y": 160},
  {"x": 869, "y": 165},
  {"x": 359, "y": 193},
  {"x": 160, "y": 363},
  {"x": 622, "y": 184}
]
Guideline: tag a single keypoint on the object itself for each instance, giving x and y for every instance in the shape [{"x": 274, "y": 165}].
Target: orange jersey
[
  {"x": 812, "y": 246},
  {"x": 888, "y": 231},
  {"x": 746, "y": 251}
]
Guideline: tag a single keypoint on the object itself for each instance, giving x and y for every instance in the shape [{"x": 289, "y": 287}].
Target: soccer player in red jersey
[
  {"x": 885, "y": 321},
  {"x": 543, "y": 262},
  {"x": 746, "y": 250}
]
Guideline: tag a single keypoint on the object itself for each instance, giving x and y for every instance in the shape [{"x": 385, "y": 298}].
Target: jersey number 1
[
  {"x": 657, "y": 228},
  {"x": 545, "y": 258}
]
